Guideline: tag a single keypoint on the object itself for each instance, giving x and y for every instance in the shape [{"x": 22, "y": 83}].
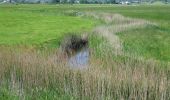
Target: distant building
[
  {"x": 7, "y": 1},
  {"x": 127, "y": 1},
  {"x": 77, "y": 1}
]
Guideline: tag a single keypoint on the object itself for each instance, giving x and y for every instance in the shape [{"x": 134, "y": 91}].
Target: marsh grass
[
  {"x": 132, "y": 36},
  {"x": 31, "y": 75},
  {"x": 113, "y": 24}
]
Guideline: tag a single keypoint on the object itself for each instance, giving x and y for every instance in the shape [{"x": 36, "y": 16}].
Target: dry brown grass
[{"x": 134, "y": 79}]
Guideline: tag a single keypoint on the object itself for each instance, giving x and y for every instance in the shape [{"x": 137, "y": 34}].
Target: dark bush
[{"x": 74, "y": 43}]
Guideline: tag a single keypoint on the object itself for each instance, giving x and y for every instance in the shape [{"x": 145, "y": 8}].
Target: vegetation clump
[{"x": 74, "y": 43}]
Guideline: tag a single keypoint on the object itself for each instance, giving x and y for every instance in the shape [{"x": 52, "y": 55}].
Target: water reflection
[{"x": 80, "y": 60}]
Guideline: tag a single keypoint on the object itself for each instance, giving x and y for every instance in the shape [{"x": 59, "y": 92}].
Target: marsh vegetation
[{"x": 128, "y": 52}]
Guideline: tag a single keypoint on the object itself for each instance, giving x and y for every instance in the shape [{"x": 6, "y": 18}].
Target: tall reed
[{"x": 29, "y": 72}]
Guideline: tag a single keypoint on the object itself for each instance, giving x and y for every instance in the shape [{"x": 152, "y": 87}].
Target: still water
[{"x": 80, "y": 60}]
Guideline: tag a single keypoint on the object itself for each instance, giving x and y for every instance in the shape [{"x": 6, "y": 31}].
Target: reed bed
[
  {"x": 31, "y": 74},
  {"x": 27, "y": 73}
]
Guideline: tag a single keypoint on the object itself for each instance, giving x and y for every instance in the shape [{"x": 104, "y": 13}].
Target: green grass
[
  {"x": 35, "y": 75},
  {"x": 6, "y": 94},
  {"x": 26, "y": 27},
  {"x": 150, "y": 42},
  {"x": 45, "y": 25}
]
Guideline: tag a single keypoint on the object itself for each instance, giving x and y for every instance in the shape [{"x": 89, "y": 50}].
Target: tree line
[
  {"x": 61, "y": 1},
  {"x": 79, "y": 1},
  {"x": 86, "y": 1}
]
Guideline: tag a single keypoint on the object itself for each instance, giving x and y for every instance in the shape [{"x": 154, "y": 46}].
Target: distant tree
[
  {"x": 112, "y": 1},
  {"x": 56, "y": 1},
  {"x": 83, "y": 1},
  {"x": 71, "y": 1},
  {"x": 63, "y": 1}
]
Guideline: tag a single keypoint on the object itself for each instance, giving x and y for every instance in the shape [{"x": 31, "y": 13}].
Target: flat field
[
  {"x": 129, "y": 45},
  {"x": 35, "y": 25}
]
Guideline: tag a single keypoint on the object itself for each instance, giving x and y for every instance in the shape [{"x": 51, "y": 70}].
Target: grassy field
[
  {"x": 130, "y": 52},
  {"x": 28, "y": 26}
]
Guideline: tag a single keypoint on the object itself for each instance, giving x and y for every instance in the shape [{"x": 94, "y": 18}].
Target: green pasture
[
  {"x": 19, "y": 26},
  {"x": 47, "y": 24}
]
